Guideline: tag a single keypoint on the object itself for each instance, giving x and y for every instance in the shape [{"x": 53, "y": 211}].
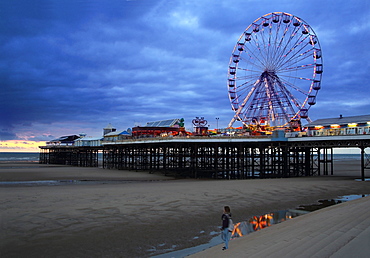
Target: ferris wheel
[{"x": 274, "y": 71}]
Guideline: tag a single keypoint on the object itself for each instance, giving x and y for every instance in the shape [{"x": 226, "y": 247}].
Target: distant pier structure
[{"x": 219, "y": 157}]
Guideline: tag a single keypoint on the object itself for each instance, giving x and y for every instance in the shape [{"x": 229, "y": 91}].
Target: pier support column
[
  {"x": 307, "y": 162},
  {"x": 363, "y": 163}
]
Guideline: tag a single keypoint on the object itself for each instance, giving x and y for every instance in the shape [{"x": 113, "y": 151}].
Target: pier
[{"x": 218, "y": 157}]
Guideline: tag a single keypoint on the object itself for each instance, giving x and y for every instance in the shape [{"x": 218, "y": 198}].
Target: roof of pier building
[
  {"x": 65, "y": 139},
  {"x": 341, "y": 120},
  {"x": 89, "y": 138},
  {"x": 163, "y": 123},
  {"x": 116, "y": 133}
]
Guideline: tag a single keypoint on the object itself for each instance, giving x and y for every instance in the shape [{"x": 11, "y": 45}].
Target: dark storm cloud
[{"x": 74, "y": 66}]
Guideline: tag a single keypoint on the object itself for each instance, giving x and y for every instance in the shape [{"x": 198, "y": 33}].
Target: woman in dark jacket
[{"x": 226, "y": 234}]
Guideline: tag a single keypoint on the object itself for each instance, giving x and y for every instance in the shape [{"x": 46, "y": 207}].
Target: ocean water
[
  {"x": 19, "y": 156},
  {"x": 34, "y": 156},
  {"x": 347, "y": 156}
]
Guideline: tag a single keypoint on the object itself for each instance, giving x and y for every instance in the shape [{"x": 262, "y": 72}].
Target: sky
[{"x": 74, "y": 66}]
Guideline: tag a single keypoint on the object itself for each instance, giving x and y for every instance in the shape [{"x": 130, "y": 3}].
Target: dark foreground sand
[{"x": 140, "y": 214}]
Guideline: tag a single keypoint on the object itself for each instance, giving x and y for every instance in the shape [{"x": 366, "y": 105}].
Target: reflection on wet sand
[{"x": 259, "y": 222}]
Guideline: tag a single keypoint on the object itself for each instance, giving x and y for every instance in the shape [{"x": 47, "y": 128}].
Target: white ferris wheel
[{"x": 274, "y": 71}]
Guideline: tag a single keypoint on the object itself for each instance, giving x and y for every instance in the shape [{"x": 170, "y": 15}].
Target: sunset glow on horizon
[{"x": 21, "y": 146}]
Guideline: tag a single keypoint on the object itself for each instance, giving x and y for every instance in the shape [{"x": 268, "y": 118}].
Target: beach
[{"x": 94, "y": 212}]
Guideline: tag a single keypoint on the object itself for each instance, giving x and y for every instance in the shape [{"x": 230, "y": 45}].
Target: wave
[{"x": 19, "y": 156}]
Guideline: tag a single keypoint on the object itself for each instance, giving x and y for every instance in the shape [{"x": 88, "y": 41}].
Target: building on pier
[
  {"x": 108, "y": 129},
  {"x": 351, "y": 125},
  {"x": 88, "y": 141},
  {"x": 67, "y": 140},
  {"x": 164, "y": 128},
  {"x": 117, "y": 136}
]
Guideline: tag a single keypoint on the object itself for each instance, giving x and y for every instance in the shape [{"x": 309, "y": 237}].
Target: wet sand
[{"x": 141, "y": 214}]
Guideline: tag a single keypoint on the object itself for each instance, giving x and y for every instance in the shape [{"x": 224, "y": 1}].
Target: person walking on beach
[{"x": 226, "y": 233}]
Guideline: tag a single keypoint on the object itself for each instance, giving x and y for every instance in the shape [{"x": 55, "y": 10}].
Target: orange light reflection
[
  {"x": 261, "y": 221},
  {"x": 237, "y": 230}
]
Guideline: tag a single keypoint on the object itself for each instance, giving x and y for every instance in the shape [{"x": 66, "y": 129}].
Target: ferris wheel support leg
[{"x": 231, "y": 122}]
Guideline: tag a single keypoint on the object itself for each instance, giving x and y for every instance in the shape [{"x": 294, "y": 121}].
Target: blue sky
[{"x": 69, "y": 67}]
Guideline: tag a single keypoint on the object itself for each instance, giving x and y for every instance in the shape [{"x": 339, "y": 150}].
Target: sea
[
  {"x": 19, "y": 157},
  {"x": 34, "y": 156}
]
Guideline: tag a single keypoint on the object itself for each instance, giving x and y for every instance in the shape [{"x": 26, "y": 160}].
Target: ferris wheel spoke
[
  {"x": 250, "y": 82},
  {"x": 271, "y": 56},
  {"x": 248, "y": 72},
  {"x": 296, "y": 77},
  {"x": 298, "y": 60},
  {"x": 293, "y": 65},
  {"x": 251, "y": 73},
  {"x": 252, "y": 60},
  {"x": 296, "y": 68},
  {"x": 298, "y": 41},
  {"x": 297, "y": 54},
  {"x": 252, "y": 53},
  {"x": 265, "y": 52},
  {"x": 249, "y": 62},
  {"x": 288, "y": 80},
  {"x": 293, "y": 99},
  {"x": 244, "y": 89},
  {"x": 263, "y": 40},
  {"x": 244, "y": 80},
  {"x": 281, "y": 40},
  {"x": 243, "y": 92},
  {"x": 293, "y": 51},
  {"x": 277, "y": 46},
  {"x": 260, "y": 49},
  {"x": 268, "y": 43},
  {"x": 284, "y": 43},
  {"x": 294, "y": 44},
  {"x": 269, "y": 46},
  {"x": 305, "y": 93}
]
